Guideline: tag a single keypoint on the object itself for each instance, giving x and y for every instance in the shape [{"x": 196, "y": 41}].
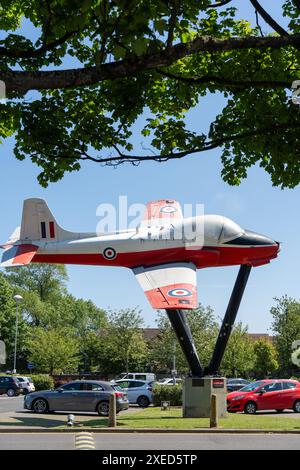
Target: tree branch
[
  {"x": 172, "y": 22},
  {"x": 239, "y": 84},
  {"x": 33, "y": 53},
  {"x": 209, "y": 145},
  {"x": 268, "y": 18},
  {"x": 22, "y": 81}
]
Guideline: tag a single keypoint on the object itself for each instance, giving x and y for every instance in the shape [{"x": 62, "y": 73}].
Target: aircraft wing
[
  {"x": 161, "y": 212},
  {"x": 17, "y": 255},
  {"x": 169, "y": 286}
]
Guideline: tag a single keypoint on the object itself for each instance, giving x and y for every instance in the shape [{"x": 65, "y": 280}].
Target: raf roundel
[
  {"x": 109, "y": 253},
  {"x": 180, "y": 293},
  {"x": 168, "y": 209}
]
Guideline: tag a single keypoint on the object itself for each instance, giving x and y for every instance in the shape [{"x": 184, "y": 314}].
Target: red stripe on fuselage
[{"x": 205, "y": 257}]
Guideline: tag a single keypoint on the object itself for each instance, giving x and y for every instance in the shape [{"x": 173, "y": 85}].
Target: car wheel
[
  {"x": 279, "y": 411},
  {"x": 296, "y": 406},
  {"x": 10, "y": 392},
  {"x": 143, "y": 401},
  {"x": 40, "y": 405},
  {"x": 103, "y": 408},
  {"x": 250, "y": 408},
  {"x": 25, "y": 391}
]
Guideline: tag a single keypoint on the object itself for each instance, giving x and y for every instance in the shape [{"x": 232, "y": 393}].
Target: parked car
[
  {"x": 27, "y": 384},
  {"x": 139, "y": 391},
  {"x": 10, "y": 385},
  {"x": 81, "y": 395},
  {"x": 169, "y": 381},
  {"x": 135, "y": 376},
  {"x": 266, "y": 395},
  {"x": 236, "y": 384}
]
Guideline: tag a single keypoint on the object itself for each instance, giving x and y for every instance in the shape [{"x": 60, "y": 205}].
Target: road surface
[{"x": 58, "y": 441}]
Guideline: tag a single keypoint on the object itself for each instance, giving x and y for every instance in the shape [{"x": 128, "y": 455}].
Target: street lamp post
[
  {"x": 18, "y": 299},
  {"x": 174, "y": 371}
]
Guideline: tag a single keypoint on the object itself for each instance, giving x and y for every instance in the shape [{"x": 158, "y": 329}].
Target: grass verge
[{"x": 171, "y": 419}]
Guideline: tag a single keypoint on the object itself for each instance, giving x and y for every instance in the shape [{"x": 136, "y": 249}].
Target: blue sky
[{"x": 255, "y": 205}]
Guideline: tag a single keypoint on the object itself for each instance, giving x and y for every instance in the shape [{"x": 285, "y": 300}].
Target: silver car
[
  {"x": 139, "y": 391},
  {"x": 81, "y": 395}
]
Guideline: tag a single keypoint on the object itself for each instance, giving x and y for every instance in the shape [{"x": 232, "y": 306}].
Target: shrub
[
  {"x": 42, "y": 382},
  {"x": 171, "y": 393}
]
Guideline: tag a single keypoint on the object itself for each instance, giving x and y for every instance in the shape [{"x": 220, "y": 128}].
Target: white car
[
  {"x": 170, "y": 382},
  {"x": 138, "y": 391},
  {"x": 135, "y": 376},
  {"x": 27, "y": 384}
]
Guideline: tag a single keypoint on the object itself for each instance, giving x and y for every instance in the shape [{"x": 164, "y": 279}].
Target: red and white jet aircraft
[{"x": 165, "y": 267}]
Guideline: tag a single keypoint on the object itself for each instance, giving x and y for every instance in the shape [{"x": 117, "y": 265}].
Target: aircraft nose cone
[
  {"x": 257, "y": 239},
  {"x": 250, "y": 238}
]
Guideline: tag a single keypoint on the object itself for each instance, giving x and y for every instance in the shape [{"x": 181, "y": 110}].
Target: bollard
[
  {"x": 112, "y": 415},
  {"x": 213, "y": 412},
  {"x": 70, "y": 420}
]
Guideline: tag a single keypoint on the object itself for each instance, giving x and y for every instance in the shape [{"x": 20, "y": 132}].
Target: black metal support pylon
[
  {"x": 182, "y": 330},
  {"x": 229, "y": 319}
]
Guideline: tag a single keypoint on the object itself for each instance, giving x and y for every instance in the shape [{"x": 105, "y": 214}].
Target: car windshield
[{"x": 251, "y": 387}]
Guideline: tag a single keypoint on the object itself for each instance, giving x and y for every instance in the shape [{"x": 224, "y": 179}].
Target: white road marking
[{"x": 84, "y": 441}]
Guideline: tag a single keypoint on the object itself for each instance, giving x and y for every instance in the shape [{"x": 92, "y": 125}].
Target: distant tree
[
  {"x": 47, "y": 304},
  {"x": 83, "y": 315},
  {"x": 8, "y": 321},
  {"x": 46, "y": 280},
  {"x": 53, "y": 350},
  {"x": 265, "y": 362},
  {"x": 121, "y": 345},
  {"x": 204, "y": 330},
  {"x": 239, "y": 357},
  {"x": 286, "y": 326}
]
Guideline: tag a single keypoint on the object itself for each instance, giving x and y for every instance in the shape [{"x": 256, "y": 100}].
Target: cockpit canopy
[{"x": 219, "y": 229}]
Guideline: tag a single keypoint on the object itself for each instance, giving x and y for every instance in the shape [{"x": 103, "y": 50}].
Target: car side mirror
[
  {"x": 60, "y": 389},
  {"x": 262, "y": 391}
]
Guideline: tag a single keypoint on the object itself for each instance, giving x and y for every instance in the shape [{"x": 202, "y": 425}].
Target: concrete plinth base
[{"x": 197, "y": 394}]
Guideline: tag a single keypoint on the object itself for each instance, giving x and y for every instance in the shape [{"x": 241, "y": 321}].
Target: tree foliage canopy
[
  {"x": 46, "y": 280},
  {"x": 157, "y": 59},
  {"x": 204, "y": 329},
  {"x": 266, "y": 361},
  {"x": 48, "y": 313},
  {"x": 8, "y": 320},
  {"x": 239, "y": 356},
  {"x": 286, "y": 326},
  {"x": 53, "y": 350}
]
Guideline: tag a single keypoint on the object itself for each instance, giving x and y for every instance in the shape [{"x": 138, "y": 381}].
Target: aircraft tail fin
[{"x": 39, "y": 224}]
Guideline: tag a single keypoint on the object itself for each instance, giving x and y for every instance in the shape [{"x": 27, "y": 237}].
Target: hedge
[
  {"x": 42, "y": 382},
  {"x": 171, "y": 393}
]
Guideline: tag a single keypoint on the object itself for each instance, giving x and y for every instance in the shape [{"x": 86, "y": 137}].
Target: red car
[{"x": 266, "y": 395}]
